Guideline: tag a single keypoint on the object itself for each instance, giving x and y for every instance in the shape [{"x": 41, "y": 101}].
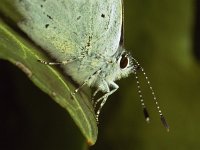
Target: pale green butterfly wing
[
  {"x": 68, "y": 28},
  {"x": 65, "y": 28}
]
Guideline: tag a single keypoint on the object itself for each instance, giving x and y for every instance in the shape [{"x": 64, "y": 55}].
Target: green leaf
[{"x": 24, "y": 54}]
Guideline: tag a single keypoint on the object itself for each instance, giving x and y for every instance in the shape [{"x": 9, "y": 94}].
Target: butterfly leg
[
  {"x": 94, "y": 94},
  {"x": 60, "y": 63},
  {"x": 86, "y": 81},
  {"x": 105, "y": 96}
]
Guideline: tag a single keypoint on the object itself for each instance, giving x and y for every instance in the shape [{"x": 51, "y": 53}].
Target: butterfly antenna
[
  {"x": 146, "y": 114},
  {"x": 162, "y": 118}
]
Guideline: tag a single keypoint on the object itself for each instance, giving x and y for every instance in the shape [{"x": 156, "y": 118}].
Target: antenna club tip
[
  {"x": 147, "y": 120},
  {"x": 164, "y": 122},
  {"x": 167, "y": 129},
  {"x": 146, "y": 115}
]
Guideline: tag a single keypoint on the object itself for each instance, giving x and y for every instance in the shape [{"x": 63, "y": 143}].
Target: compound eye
[{"x": 124, "y": 61}]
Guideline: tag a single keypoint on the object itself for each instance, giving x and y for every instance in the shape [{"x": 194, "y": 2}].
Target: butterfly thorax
[{"x": 99, "y": 70}]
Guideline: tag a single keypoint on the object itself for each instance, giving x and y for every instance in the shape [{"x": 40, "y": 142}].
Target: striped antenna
[
  {"x": 146, "y": 114},
  {"x": 162, "y": 118}
]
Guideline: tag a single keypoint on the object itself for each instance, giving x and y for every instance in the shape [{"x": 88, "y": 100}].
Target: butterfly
[{"x": 86, "y": 38}]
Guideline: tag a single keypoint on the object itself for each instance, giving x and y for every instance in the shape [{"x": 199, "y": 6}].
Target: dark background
[{"x": 165, "y": 37}]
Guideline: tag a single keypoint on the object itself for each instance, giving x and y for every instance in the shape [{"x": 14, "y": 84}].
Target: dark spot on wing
[
  {"x": 89, "y": 41},
  {"x": 79, "y": 17},
  {"x": 75, "y": 33},
  {"x": 46, "y": 25},
  {"x": 49, "y": 17},
  {"x": 41, "y": 6},
  {"x": 103, "y": 15}
]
